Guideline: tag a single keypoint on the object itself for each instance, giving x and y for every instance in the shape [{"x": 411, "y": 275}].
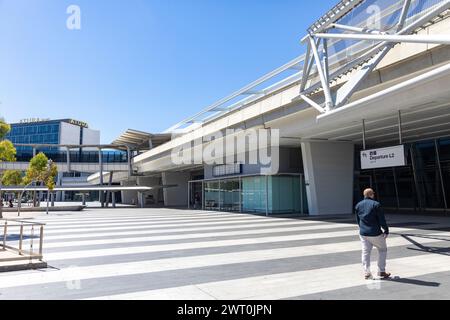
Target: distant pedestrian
[
  {"x": 373, "y": 233},
  {"x": 11, "y": 205}
]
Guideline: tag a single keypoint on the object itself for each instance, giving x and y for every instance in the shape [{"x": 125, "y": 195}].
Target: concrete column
[
  {"x": 130, "y": 166},
  {"x": 150, "y": 182},
  {"x": 176, "y": 196},
  {"x": 141, "y": 200},
  {"x": 129, "y": 197},
  {"x": 329, "y": 174},
  {"x": 69, "y": 169}
]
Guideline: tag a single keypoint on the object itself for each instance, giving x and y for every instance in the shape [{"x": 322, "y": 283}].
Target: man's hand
[{"x": 385, "y": 235}]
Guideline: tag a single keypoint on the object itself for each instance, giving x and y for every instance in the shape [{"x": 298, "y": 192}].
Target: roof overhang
[{"x": 140, "y": 140}]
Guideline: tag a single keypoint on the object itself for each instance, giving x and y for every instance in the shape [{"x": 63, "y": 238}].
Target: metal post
[
  {"x": 306, "y": 67},
  {"x": 267, "y": 195},
  {"x": 324, "y": 81},
  {"x": 325, "y": 59},
  {"x": 438, "y": 159},
  {"x": 108, "y": 193},
  {"x": 396, "y": 188},
  {"x": 400, "y": 133},
  {"x": 83, "y": 198},
  {"x": 21, "y": 239},
  {"x": 364, "y": 133},
  {"x": 220, "y": 196},
  {"x": 240, "y": 194},
  {"x": 416, "y": 182},
  {"x": 130, "y": 168},
  {"x": 41, "y": 241},
  {"x": 48, "y": 200},
  {"x": 100, "y": 162},
  {"x": 113, "y": 199},
  {"x": 5, "y": 231},
  {"x": 189, "y": 195},
  {"x": 203, "y": 195},
  {"x": 52, "y": 197}
]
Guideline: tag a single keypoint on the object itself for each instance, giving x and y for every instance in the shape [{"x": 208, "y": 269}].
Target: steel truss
[{"x": 367, "y": 62}]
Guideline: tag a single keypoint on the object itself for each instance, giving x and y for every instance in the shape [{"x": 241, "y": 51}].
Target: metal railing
[
  {"x": 18, "y": 234},
  {"x": 344, "y": 56},
  {"x": 76, "y": 157}
]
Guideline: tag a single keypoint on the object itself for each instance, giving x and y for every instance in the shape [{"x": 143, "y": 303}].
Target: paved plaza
[{"x": 185, "y": 254}]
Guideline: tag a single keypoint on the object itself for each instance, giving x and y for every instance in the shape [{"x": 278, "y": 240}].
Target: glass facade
[
  {"x": 423, "y": 184},
  {"x": 283, "y": 194},
  {"x": 76, "y": 156},
  {"x": 48, "y": 132},
  {"x": 25, "y": 133}
]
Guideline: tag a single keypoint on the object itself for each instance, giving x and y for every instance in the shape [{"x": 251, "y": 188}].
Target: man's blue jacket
[{"x": 370, "y": 218}]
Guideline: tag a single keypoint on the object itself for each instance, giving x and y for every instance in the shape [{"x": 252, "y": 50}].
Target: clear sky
[{"x": 141, "y": 64}]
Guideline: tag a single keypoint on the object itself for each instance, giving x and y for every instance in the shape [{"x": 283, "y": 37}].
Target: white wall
[
  {"x": 177, "y": 196},
  {"x": 329, "y": 172},
  {"x": 91, "y": 137},
  {"x": 129, "y": 197},
  {"x": 150, "y": 182},
  {"x": 70, "y": 134}
]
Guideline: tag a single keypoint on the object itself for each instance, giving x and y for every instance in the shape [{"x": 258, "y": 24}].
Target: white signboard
[{"x": 383, "y": 158}]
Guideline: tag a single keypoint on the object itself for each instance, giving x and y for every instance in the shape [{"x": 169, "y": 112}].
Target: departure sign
[{"x": 383, "y": 158}]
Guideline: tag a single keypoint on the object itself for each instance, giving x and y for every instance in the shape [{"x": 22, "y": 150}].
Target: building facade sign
[
  {"x": 78, "y": 123},
  {"x": 383, "y": 158},
  {"x": 33, "y": 120},
  {"x": 227, "y": 170}
]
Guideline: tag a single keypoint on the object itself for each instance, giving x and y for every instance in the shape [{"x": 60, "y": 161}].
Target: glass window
[
  {"x": 254, "y": 194},
  {"x": 230, "y": 195},
  {"x": 212, "y": 195},
  {"x": 284, "y": 194},
  {"x": 428, "y": 177}
]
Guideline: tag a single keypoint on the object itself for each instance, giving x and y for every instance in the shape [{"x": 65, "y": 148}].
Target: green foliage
[
  {"x": 7, "y": 151},
  {"x": 4, "y": 128},
  {"x": 39, "y": 171},
  {"x": 12, "y": 178}
]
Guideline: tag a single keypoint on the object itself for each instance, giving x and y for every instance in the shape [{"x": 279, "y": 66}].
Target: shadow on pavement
[
  {"x": 415, "y": 282},
  {"x": 428, "y": 249}
]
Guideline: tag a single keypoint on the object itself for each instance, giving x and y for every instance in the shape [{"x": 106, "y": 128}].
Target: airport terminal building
[
  {"x": 66, "y": 141},
  {"x": 368, "y": 104}
]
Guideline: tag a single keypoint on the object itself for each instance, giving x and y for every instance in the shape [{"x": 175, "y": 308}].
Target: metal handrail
[
  {"x": 23, "y": 254},
  {"x": 220, "y": 108}
]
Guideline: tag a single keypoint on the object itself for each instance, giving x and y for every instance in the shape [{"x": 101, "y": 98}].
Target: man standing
[{"x": 371, "y": 220}]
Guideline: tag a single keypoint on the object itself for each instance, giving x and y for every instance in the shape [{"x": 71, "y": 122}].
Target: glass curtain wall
[
  {"x": 254, "y": 194},
  {"x": 282, "y": 194},
  {"x": 423, "y": 184}
]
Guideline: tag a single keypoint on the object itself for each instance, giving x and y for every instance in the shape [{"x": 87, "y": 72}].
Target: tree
[
  {"x": 4, "y": 128},
  {"x": 7, "y": 150},
  {"x": 12, "y": 178},
  {"x": 42, "y": 170}
]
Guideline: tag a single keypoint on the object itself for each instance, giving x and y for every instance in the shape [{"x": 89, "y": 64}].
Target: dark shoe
[
  {"x": 368, "y": 276},
  {"x": 384, "y": 275}
]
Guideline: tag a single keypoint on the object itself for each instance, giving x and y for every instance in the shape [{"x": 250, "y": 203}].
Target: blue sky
[{"x": 141, "y": 64}]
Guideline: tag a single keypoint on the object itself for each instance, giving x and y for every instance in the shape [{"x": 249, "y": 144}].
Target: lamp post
[{"x": 49, "y": 168}]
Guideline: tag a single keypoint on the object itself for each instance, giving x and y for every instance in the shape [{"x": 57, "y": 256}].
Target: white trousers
[{"x": 367, "y": 245}]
